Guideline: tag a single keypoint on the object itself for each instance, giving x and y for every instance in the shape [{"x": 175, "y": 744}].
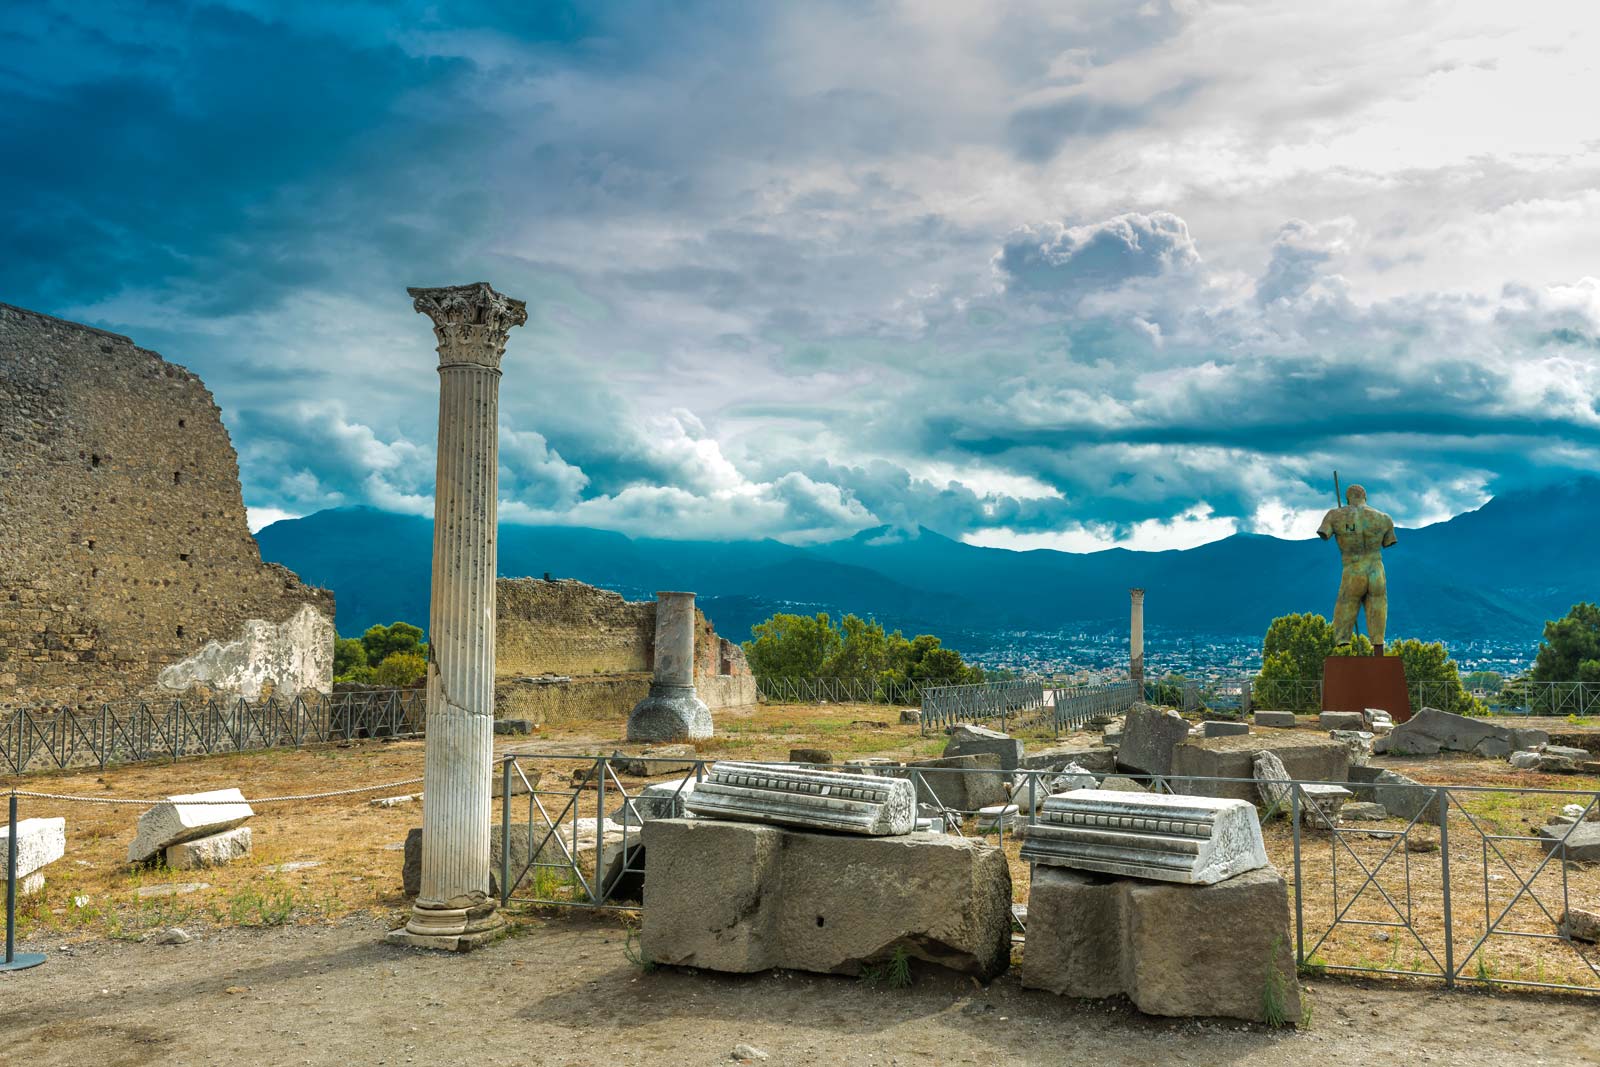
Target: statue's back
[{"x": 1361, "y": 531}]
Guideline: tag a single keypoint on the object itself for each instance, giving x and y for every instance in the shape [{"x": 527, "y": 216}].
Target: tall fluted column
[
  {"x": 672, "y": 711},
  {"x": 454, "y": 909},
  {"x": 1136, "y": 637}
]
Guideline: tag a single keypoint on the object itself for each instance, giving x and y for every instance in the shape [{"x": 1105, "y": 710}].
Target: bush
[{"x": 399, "y": 670}]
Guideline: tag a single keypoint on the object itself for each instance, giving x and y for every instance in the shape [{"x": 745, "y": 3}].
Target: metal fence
[
  {"x": 1546, "y": 698},
  {"x": 837, "y": 691},
  {"x": 1078, "y": 706},
  {"x": 127, "y": 731},
  {"x": 1248, "y": 692},
  {"x": 1435, "y": 891},
  {"x": 945, "y": 705}
]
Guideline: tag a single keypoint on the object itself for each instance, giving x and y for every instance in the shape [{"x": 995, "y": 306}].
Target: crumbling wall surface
[{"x": 124, "y": 548}]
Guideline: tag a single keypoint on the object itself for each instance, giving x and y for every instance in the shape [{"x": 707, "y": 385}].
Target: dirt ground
[{"x": 563, "y": 993}]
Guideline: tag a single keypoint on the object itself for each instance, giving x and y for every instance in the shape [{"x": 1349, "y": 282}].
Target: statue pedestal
[{"x": 1356, "y": 683}]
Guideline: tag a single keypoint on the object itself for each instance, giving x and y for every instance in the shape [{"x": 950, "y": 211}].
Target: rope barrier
[{"x": 259, "y": 800}]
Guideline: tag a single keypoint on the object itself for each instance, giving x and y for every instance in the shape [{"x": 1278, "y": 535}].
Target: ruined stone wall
[
  {"x": 576, "y": 631},
  {"x": 126, "y": 565}
]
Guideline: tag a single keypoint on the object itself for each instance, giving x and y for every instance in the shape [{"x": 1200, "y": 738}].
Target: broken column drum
[
  {"x": 453, "y": 909},
  {"x": 822, "y": 800},
  {"x": 672, "y": 711}
]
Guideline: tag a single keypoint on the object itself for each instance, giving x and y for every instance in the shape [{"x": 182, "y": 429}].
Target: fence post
[
  {"x": 1299, "y": 886},
  {"x": 597, "y": 892},
  {"x": 13, "y": 960},
  {"x": 1444, "y": 876},
  {"x": 505, "y": 830}
]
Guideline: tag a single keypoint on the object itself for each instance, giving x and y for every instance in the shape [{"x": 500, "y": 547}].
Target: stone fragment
[
  {"x": 1149, "y": 736},
  {"x": 958, "y": 782},
  {"x": 743, "y": 897},
  {"x": 658, "y": 800},
  {"x": 910, "y": 716},
  {"x": 512, "y": 727},
  {"x": 524, "y": 780},
  {"x": 1216, "y": 950},
  {"x": 1223, "y": 728},
  {"x": 967, "y": 739},
  {"x": 215, "y": 850},
  {"x": 1581, "y": 811},
  {"x": 1321, "y": 803},
  {"x": 746, "y": 1054},
  {"x": 1363, "y": 811},
  {"x": 186, "y": 817},
  {"x": 1118, "y": 783},
  {"x": 1405, "y": 798},
  {"x": 821, "y": 800},
  {"x": 1282, "y": 720},
  {"x": 1378, "y": 720},
  {"x": 881, "y": 765},
  {"x": 1581, "y": 840},
  {"x": 173, "y": 936},
  {"x": 1361, "y": 779},
  {"x": 39, "y": 842},
  {"x": 1358, "y": 742},
  {"x": 306, "y": 865},
  {"x": 1581, "y": 925},
  {"x": 394, "y": 802},
  {"x": 172, "y": 889},
  {"x": 1072, "y": 777},
  {"x": 1431, "y": 731},
  {"x": 1341, "y": 720},
  {"x": 1096, "y": 759},
  {"x": 811, "y": 755},
  {"x": 1191, "y": 840},
  {"x": 1230, "y": 762},
  {"x": 1272, "y": 782},
  {"x": 658, "y": 759},
  {"x": 998, "y": 817}
]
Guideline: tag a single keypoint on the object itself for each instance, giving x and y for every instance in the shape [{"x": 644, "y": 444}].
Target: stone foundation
[{"x": 1306, "y": 757}]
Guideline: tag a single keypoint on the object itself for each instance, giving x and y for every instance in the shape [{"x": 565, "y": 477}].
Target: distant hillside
[{"x": 1501, "y": 570}]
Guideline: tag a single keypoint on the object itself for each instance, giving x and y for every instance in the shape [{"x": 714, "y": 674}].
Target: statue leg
[
  {"x": 1351, "y": 588},
  {"x": 1377, "y": 608}
]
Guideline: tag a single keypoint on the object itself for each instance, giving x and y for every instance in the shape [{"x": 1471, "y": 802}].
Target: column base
[
  {"x": 669, "y": 713},
  {"x": 450, "y": 929}
]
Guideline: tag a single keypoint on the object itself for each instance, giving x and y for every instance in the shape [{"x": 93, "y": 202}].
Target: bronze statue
[{"x": 1362, "y": 533}]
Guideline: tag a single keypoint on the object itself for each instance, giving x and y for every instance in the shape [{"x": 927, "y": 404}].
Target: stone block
[
  {"x": 1096, "y": 759},
  {"x": 656, "y": 760},
  {"x": 1223, "y": 728},
  {"x": 1360, "y": 811},
  {"x": 186, "y": 817},
  {"x": 1358, "y": 742},
  {"x": 1405, "y": 798},
  {"x": 997, "y": 817},
  {"x": 811, "y": 755},
  {"x": 1178, "y": 950},
  {"x": 512, "y": 727},
  {"x": 1191, "y": 840},
  {"x": 1342, "y": 720},
  {"x": 958, "y": 781},
  {"x": 1431, "y": 731},
  {"x": 743, "y": 897},
  {"x": 1581, "y": 925},
  {"x": 1149, "y": 736},
  {"x": 1305, "y": 756},
  {"x": 215, "y": 850},
  {"x": 1117, "y": 783},
  {"x": 521, "y": 784},
  {"x": 810, "y": 799},
  {"x": 1281, "y": 720},
  {"x": 1361, "y": 778},
  {"x": 39, "y": 842},
  {"x": 1071, "y": 777},
  {"x": 967, "y": 739},
  {"x": 658, "y": 800},
  {"x": 1582, "y": 840}
]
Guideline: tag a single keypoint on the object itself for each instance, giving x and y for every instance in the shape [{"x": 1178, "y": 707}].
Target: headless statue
[{"x": 1362, "y": 534}]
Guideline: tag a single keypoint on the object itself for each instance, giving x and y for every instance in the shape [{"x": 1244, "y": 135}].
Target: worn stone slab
[
  {"x": 1272, "y": 782},
  {"x": 1176, "y": 950},
  {"x": 1581, "y": 925},
  {"x": 958, "y": 781},
  {"x": 743, "y": 897},
  {"x": 1431, "y": 731},
  {"x": 658, "y": 800},
  {"x": 174, "y": 889},
  {"x": 1149, "y": 736},
  {"x": 1223, "y": 728},
  {"x": 1582, "y": 840},
  {"x": 1406, "y": 798},
  {"x": 214, "y": 850},
  {"x": 1307, "y": 757},
  {"x": 1363, "y": 811},
  {"x": 820, "y": 800},
  {"x": 1341, "y": 720},
  {"x": 184, "y": 818},
  {"x": 1279, "y": 720},
  {"x": 39, "y": 842},
  {"x": 1185, "y": 839},
  {"x": 1096, "y": 759},
  {"x": 513, "y": 727},
  {"x": 967, "y": 739}
]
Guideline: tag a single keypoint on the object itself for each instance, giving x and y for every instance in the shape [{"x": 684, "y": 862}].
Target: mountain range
[{"x": 1498, "y": 572}]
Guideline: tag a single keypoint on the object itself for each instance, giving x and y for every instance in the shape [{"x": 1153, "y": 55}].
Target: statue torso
[{"x": 1361, "y": 531}]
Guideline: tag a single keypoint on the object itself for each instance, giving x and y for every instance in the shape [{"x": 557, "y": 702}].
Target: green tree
[
  {"x": 1570, "y": 651},
  {"x": 1433, "y": 676},
  {"x": 811, "y": 647},
  {"x": 792, "y": 646},
  {"x": 1292, "y": 655},
  {"x": 1491, "y": 682},
  {"x": 348, "y": 653},
  {"x": 381, "y": 642},
  {"x": 399, "y": 670}
]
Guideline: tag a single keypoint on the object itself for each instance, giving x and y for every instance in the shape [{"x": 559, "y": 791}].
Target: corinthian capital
[{"x": 470, "y": 321}]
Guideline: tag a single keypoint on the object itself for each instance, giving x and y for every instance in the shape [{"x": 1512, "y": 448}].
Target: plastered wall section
[{"x": 127, "y": 568}]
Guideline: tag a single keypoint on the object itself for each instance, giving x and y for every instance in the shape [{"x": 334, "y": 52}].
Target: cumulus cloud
[{"x": 1052, "y": 258}]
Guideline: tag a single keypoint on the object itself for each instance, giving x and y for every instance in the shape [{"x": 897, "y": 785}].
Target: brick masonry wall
[
  {"x": 588, "y": 634},
  {"x": 124, "y": 550}
]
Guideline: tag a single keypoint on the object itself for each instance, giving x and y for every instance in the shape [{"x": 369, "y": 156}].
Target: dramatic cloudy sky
[{"x": 1065, "y": 274}]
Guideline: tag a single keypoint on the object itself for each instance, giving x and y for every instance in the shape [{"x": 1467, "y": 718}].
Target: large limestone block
[
  {"x": 967, "y": 739},
  {"x": 39, "y": 842},
  {"x": 1149, "y": 736},
  {"x": 1307, "y": 758},
  {"x": 1146, "y": 835},
  {"x": 1216, "y": 950},
  {"x": 1282, "y": 720},
  {"x": 1096, "y": 759},
  {"x": 1224, "y": 728},
  {"x": 812, "y": 799},
  {"x": 745, "y": 897},
  {"x": 1431, "y": 731},
  {"x": 214, "y": 850},
  {"x": 1406, "y": 798},
  {"x": 186, "y": 817},
  {"x": 1582, "y": 840},
  {"x": 959, "y": 782}
]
